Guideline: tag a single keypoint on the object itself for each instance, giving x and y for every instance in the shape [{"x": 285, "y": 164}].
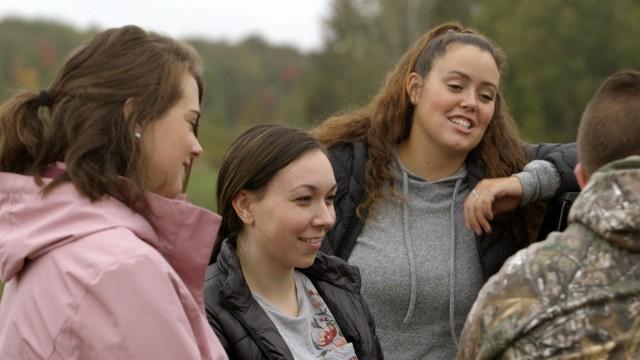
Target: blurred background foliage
[{"x": 558, "y": 51}]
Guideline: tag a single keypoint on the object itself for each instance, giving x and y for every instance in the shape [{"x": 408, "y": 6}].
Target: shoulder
[
  {"x": 519, "y": 296},
  {"x": 213, "y": 287},
  {"x": 117, "y": 247},
  {"x": 105, "y": 266},
  {"x": 564, "y": 286},
  {"x": 540, "y": 269},
  {"x": 219, "y": 316},
  {"x": 225, "y": 286},
  {"x": 226, "y": 265},
  {"x": 348, "y": 161},
  {"x": 561, "y": 253},
  {"x": 348, "y": 158},
  {"x": 103, "y": 251},
  {"x": 119, "y": 255}
]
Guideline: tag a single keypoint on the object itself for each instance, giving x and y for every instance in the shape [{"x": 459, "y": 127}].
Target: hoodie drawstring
[
  {"x": 410, "y": 254},
  {"x": 452, "y": 266},
  {"x": 409, "y": 244}
]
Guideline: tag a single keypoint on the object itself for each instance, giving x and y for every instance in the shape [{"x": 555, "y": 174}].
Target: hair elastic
[{"x": 45, "y": 99}]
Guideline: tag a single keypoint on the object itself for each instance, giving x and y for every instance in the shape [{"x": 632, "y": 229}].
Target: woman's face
[
  {"x": 170, "y": 143},
  {"x": 294, "y": 212},
  {"x": 455, "y": 102}
]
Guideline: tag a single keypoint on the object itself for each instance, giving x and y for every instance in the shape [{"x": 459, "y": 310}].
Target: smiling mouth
[
  {"x": 313, "y": 240},
  {"x": 460, "y": 121}
]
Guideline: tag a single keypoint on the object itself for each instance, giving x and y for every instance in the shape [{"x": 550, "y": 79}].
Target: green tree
[
  {"x": 246, "y": 83},
  {"x": 363, "y": 40},
  {"x": 31, "y": 51},
  {"x": 558, "y": 52}
]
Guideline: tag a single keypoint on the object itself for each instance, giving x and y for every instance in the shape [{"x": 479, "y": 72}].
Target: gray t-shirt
[{"x": 314, "y": 333}]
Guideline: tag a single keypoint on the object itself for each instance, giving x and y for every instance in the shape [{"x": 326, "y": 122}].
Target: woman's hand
[{"x": 491, "y": 197}]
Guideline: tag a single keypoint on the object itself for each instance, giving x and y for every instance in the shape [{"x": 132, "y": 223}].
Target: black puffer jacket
[
  {"x": 348, "y": 161},
  {"x": 247, "y": 333}
]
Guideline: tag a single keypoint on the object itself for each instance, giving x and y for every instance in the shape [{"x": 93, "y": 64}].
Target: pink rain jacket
[{"x": 97, "y": 281}]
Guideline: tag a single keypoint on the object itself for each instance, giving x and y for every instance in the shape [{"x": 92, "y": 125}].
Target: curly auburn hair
[{"x": 386, "y": 121}]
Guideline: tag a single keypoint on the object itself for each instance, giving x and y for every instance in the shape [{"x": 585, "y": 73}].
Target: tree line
[{"x": 557, "y": 52}]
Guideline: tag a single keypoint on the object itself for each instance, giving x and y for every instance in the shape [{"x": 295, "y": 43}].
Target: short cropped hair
[{"x": 610, "y": 125}]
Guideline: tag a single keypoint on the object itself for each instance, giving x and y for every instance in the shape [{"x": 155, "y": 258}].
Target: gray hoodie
[{"x": 419, "y": 263}]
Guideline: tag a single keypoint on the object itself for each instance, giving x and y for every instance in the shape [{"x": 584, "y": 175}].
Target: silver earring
[{"x": 137, "y": 135}]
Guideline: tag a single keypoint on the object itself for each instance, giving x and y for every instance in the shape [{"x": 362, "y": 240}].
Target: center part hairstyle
[
  {"x": 252, "y": 160},
  {"x": 80, "y": 119},
  {"x": 386, "y": 121},
  {"x": 610, "y": 126}
]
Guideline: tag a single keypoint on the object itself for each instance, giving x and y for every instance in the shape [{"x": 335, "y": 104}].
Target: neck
[
  {"x": 428, "y": 161},
  {"x": 267, "y": 278}
]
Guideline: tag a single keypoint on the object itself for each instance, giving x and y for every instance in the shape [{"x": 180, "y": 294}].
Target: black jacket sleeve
[{"x": 563, "y": 157}]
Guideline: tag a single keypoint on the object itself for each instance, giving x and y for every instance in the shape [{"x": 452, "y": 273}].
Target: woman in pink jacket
[{"x": 101, "y": 255}]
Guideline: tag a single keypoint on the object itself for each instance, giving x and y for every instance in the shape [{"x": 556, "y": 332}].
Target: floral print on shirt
[{"x": 325, "y": 336}]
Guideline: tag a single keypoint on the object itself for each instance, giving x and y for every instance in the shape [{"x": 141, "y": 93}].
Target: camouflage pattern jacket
[{"x": 575, "y": 295}]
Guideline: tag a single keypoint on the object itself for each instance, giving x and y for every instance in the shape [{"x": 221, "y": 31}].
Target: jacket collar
[
  {"x": 185, "y": 237},
  {"x": 239, "y": 301},
  {"x": 610, "y": 203},
  {"x": 325, "y": 268}
]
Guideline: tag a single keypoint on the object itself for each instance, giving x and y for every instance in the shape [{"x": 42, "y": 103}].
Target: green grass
[{"x": 202, "y": 185}]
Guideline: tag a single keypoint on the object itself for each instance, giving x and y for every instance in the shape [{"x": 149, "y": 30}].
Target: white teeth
[
  {"x": 461, "y": 121},
  {"x": 312, "y": 241}
]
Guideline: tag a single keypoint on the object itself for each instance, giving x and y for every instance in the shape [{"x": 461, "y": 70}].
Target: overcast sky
[{"x": 292, "y": 22}]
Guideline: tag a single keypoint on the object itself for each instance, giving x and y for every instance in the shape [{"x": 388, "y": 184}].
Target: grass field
[{"x": 202, "y": 186}]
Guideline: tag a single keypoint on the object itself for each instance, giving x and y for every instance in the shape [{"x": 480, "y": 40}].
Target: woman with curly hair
[{"x": 426, "y": 205}]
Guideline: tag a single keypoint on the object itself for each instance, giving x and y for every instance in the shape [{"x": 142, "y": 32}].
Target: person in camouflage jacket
[{"x": 576, "y": 295}]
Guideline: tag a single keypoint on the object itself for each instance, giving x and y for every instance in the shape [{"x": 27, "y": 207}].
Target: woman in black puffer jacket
[{"x": 270, "y": 294}]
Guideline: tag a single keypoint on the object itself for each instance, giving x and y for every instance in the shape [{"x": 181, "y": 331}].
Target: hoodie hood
[
  {"x": 32, "y": 225},
  {"x": 610, "y": 203}
]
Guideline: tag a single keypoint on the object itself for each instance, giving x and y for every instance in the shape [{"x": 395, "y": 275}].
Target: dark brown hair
[
  {"x": 386, "y": 120},
  {"x": 610, "y": 126},
  {"x": 252, "y": 160},
  {"x": 80, "y": 119}
]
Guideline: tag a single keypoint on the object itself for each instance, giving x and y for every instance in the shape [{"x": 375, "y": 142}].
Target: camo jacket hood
[
  {"x": 610, "y": 203},
  {"x": 575, "y": 295}
]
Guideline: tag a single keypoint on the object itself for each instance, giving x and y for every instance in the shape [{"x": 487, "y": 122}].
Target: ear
[
  {"x": 413, "y": 86},
  {"x": 242, "y": 206},
  {"x": 127, "y": 109},
  {"x": 581, "y": 175}
]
